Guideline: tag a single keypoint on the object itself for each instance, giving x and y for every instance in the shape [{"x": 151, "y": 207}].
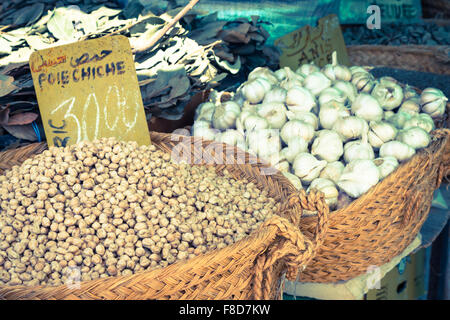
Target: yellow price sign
[
  {"x": 309, "y": 44},
  {"x": 89, "y": 90}
]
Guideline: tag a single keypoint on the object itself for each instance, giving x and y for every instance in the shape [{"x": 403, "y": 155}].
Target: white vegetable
[
  {"x": 296, "y": 182},
  {"x": 307, "y": 68},
  {"x": 300, "y": 99},
  {"x": 327, "y": 146},
  {"x": 278, "y": 161},
  {"x": 433, "y": 102},
  {"x": 254, "y": 90},
  {"x": 351, "y": 127},
  {"x": 204, "y": 107},
  {"x": 330, "y": 112},
  {"x": 276, "y": 94},
  {"x": 388, "y": 93},
  {"x": 225, "y": 115},
  {"x": 264, "y": 142},
  {"x": 415, "y": 137},
  {"x": 316, "y": 82},
  {"x": 358, "y": 177},
  {"x": 411, "y": 106},
  {"x": 358, "y": 150},
  {"x": 263, "y": 73},
  {"x": 307, "y": 167},
  {"x": 386, "y": 166},
  {"x": 332, "y": 94},
  {"x": 399, "y": 150},
  {"x": 240, "y": 121},
  {"x": 328, "y": 188},
  {"x": 332, "y": 171},
  {"x": 421, "y": 120},
  {"x": 363, "y": 81},
  {"x": 399, "y": 119},
  {"x": 204, "y": 132},
  {"x": 297, "y": 128},
  {"x": 253, "y": 122},
  {"x": 233, "y": 138},
  {"x": 367, "y": 107},
  {"x": 274, "y": 113},
  {"x": 381, "y": 132},
  {"x": 347, "y": 88},
  {"x": 295, "y": 146},
  {"x": 307, "y": 117}
]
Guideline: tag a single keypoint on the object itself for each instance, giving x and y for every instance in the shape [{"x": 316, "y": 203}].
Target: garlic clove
[
  {"x": 274, "y": 113},
  {"x": 388, "y": 93},
  {"x": 433, "y": 102},
  {"x": 332, "y": 171},
  {"x": 327, "y": 146},
  {"x": 316, "y": 82},
  {"x": 328, "y": 188},
  {"x": 367, "y": 107},
  {"x": 297, "y": 128},
  {"x": 397, "y": 149},
  {"x": 307, "y": 167},
  {"x": 386, "y": 166},
  {"x": 358, "y": 177},
  {"x": 296, "y": 182},
  {"x": 415, "y": 137},
  {"x": 225, "y": 115}
]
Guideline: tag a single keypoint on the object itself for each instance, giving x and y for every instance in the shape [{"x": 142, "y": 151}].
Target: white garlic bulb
[
  {"x": 225, "y": 115},
  {"x": 253, "y": 122},
  {"x": 307, "y": 117},
  {"x": 335, "y": 71},
  {"x": 201, "y": 124},
  {"x": 276, "y": 94},
  {"x": 388, "y": 114},
  {"x": 297, "y": 128},
  {"x": 399, "y": 119},
  {"x": 300, "y": 99},
  {"x": 204, "y": 132},
  {"x": 327, "y": 146},
  {"x": 278, "y": 161},
  {"x": 363, "y": 81},
  {"x": 263, "y": 142},
  {"x": 332, "y": 171},
  {"x": 204, "y": 107},
  {"x": 358, "y": 150},
  {"x": 367, "y": 107},
  {"x": 381, "y": 132},
  {"x": 357, "y": 69},
  {"x": 281, "y": 74},
  {"x": 328, "y": 188},
  {"x": 307, "y": 167},
  {"x": 274, "y": 113},
  {"x": 294, "y": 147},
  {"x": 415, "y": 137},
  {"x": 411, "y": 106},
  {"x": 296, "y": 182},
  {"x": 332, "y": 94},
  {"x": 409, "y": 92},
  {"x": 397, "y": 149},
  {"x": 232, "y": 137},
  {"x": 263, "y": 73},
  {"x": 421, "y": 120},
  {"x": 358, "y": 177},
  {"x": 330, "y": 112},
  {"x": 351, "y": 127},
  {"x": 348, "y": 89},
  {"x": 433, "y": 102},
  {"x": 316, "y": 82},
  {"x": 307, "y": 68},
  {"x": 240, "y": 121},
  {"x": 388, "y": 93},
  {"x": 386, "y": 165},
  {"x": 254, "y": 90}
]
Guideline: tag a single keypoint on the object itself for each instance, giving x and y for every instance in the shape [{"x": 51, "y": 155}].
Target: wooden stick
[{"x": 158, "y": 35}]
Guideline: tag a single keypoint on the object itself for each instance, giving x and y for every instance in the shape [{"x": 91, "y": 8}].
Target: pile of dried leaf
[{"x": 199, "y": 52}]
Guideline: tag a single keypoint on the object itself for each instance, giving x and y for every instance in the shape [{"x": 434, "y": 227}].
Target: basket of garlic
[
  {"x": 369, "y": 145},
  {"x": 114, "y": 220}
]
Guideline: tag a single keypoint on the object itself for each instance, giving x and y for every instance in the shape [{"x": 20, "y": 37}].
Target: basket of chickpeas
[{"x": 171, "y": 220}]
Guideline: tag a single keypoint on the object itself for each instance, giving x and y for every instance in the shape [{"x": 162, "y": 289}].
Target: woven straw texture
[
  {"x": 251, "y": 268},
  {"x": 382, "y": 223},
  {"x": 435, "y": 59},
  {"x": 436, "y": 8}
]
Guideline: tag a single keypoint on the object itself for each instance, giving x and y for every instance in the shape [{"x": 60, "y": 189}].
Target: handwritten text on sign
[
  {"x": 309, "y": 44},
  {"x": 89, "y": 90}
]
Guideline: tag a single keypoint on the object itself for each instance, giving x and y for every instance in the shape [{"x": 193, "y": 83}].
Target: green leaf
[{"x": 60, "y": 26}]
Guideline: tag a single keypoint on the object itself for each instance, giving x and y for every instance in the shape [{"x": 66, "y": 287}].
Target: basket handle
[{"x": 296, "y": 250}]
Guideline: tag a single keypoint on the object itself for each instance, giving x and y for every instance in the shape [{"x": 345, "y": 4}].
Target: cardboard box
[{"x": 407, "y": 281}]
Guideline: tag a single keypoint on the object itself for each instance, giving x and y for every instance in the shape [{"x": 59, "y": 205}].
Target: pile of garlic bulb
[{"x": 335, "y": 129}]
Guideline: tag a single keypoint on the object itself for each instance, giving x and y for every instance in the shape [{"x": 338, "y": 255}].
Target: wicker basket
[
  {"x": 436, "y": 8},
  {"x": 382, "y": 223},
  {"x": 434, "y": 59},
  {"x": 251, "y": 268}
]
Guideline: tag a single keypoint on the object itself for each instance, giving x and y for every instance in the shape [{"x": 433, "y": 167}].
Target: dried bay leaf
[
  {"x": 6, "y": 85},
  {"x": 60, "y": 26}
]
